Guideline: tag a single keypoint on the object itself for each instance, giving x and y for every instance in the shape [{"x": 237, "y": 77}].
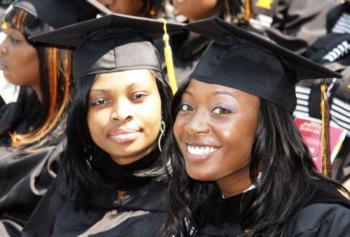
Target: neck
[{"x": 236, "y": 183}]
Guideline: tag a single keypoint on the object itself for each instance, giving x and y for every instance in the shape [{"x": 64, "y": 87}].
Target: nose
[
  {"x": 121, "y": 112},
  {"x": 3, "y": 47},
  {"x": 198, "y": 124}
]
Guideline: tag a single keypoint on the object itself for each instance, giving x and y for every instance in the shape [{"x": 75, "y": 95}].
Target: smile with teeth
[{"x": 201, "y": 150}]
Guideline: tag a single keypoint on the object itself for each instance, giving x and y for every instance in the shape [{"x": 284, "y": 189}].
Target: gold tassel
[
  {"x": 3, "y": 26},
  {"x": 266, "y": 4},
  {"x": 247, "y": 15},
  {"x": 326, "y": 151},
  {"x": 169, "y": 58}
]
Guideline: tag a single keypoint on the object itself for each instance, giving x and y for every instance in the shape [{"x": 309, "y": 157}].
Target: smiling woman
[
  {"x": 239, "y": 165},
  {"x": 215, "y": 130}
]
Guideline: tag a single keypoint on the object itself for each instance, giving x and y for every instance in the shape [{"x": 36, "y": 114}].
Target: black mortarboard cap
[
  {"x": 110, "y": 43},
  {"x": 58, "y": 13},
  {"x": 246, "y": 61}
]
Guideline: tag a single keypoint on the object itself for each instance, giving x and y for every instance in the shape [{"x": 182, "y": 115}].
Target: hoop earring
[{"x": 161, "y": 135}]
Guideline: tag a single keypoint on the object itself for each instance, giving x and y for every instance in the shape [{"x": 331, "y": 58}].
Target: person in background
[
  {"x": 332, "y": 51},
  {"x": 188, "y": 47},
  {"x": 144, "y": 8},
  {"x": 112, "y": 181},
  {"x": 32, "y": 130},
  {"x": 239, "y": 166},
  {"x": 8, "y": 92},
  {"x": 296, "y": 24}
]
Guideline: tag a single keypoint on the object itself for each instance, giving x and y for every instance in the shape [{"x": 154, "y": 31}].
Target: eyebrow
[
  {"x": 224, "y": 93},
  {"x": 101, "y": 90},
  {"x": 129, "y": 86},
  {"x": 215, "y": 93},
  {"x": 188, "y": 93}
]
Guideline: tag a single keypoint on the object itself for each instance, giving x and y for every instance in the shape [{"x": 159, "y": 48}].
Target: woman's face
[
  {"x": 215, "y": 129},
  {"x": 124, "y": 114},
  {"x": 19, "y": 60},
  {"x": 195, "y": 10},
  {"x": 129, "y": 7}
]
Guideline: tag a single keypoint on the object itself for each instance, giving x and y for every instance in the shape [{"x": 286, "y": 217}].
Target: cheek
[
  {"x": 26, "y": 67},
  {"x": 34, "y": 66},
  {"x": 208, "y": 4},
  {"x": 239, "y": 143},
  {"x": 97, "y": 121},
  {"x": 237, "y": 140},
  {"x": 150, "y": 115},
  {"x": 239, "y": 136},
  {"x": 178, "y": 128},
  {"x": 127, "y": 7},
  {"x": 203, "y": 7}
]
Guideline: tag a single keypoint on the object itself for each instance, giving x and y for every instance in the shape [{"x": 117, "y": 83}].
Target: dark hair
[
  {"x": 231, "y": 10},
  {"x": 153, "y": 8},
  {"x": 55, "y": 73},
  {"x": 80, "y": 145},
  {"x": 285, "y": 185}
]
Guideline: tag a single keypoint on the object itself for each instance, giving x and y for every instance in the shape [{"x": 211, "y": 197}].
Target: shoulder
[{"x": 321, "y": 219}]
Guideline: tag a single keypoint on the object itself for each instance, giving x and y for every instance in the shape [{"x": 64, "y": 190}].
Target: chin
[{"x": 199, "y": 175}]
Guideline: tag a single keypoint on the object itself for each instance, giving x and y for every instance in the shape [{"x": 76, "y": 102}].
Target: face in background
[
  {"x": 195, "y": 10},
  {"x": 215, "y": 129},
  {"x": 19, "y": 60},
  {"x": 128, "y": 7},
  {"x": 124, "y": 114}
]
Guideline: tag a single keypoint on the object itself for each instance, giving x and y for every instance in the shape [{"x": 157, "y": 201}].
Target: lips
[
  {"x": 200, "y": 152},
  {"x": 124, "y": 135},
  {"x": 2, "y": 66}
]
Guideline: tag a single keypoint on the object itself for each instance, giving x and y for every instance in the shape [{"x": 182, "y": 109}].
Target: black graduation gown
[
  {"x": 140, "y": 213},
  {"x": 25, "y": 175},
  {"x": 20, "y": 116},
  {"x": 2, "y": 102},
  {"x": 327, "y": 214},
  {"x": 24, "y": 180}
]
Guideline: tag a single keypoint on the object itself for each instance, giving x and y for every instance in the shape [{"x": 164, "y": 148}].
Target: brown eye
[
  {"x": 139, "y": 96},
  {"x": 221, "y": 110},
  {"x": 185, "y": 107},
  {"x": 100, "y": 101},
  {"x": 14, "y": 40}
]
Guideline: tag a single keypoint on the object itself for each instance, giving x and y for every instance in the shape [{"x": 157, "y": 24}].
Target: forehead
[
  {"x": 121, "y": 79},
  {"x": 198, "y": 89}
]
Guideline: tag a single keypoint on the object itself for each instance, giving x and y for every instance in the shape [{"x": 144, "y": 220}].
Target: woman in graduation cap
[
  {"x": 112, "y": 182},
  {"x": 240, "y": 167},
  {"x": 32, "y": 129}
]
